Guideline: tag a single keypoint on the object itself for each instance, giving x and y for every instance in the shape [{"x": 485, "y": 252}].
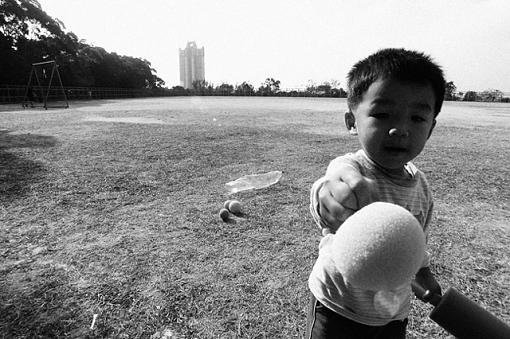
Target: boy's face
[{"x": 394, "y": 120}]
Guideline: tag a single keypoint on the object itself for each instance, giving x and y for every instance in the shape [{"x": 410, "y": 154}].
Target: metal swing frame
[{"x": 41, "y": 88}]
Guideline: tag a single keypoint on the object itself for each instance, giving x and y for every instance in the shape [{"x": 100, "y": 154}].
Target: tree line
[
  {"x": 270, "y": 87},
  {"x": 489, "y": 95},
  {"x": 29, "y": 35}
]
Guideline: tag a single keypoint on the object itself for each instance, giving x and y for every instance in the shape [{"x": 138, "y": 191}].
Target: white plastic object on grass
[{"x": 253, "y": 181}]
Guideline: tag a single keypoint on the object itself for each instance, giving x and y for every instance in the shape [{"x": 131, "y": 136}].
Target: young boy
[{"x": 394, "y": 98}]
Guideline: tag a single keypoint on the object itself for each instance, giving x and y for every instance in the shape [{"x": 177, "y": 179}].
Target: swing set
[{"x": 45, "y": 87}]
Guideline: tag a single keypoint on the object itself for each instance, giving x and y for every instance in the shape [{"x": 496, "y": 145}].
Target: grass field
[{"x": 110, "y": 208}]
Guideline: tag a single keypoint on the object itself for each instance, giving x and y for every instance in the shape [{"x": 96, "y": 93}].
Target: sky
[{"x": 298, "y": 42}]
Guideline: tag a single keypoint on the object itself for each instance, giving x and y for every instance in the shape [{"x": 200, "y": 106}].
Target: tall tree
[
  {"x": 224, "y": 89},
  {"x": 244, "y": 89},
  {"x": 28, "y": 35},
  {"x": 324, "y": 89},
  {"x": 450, "y": 91},
  {"x": 202, "y": 87},
  {"x": 269, "y": 87}
]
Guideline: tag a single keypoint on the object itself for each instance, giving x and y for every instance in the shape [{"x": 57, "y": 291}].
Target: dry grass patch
[{"x": 120, "y": 219}]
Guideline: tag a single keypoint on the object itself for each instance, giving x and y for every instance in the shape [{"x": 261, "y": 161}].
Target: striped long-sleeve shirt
[{"x": 374, "y": 308}]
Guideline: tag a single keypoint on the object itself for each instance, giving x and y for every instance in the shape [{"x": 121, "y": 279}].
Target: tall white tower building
[{"x": 191, "y": 64}]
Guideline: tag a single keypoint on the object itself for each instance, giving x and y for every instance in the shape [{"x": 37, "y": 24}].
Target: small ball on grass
[
  {"x": 235, "y": 207},
  {"x": 224, "y": 214},
  {"x": 226, "y": 203}
]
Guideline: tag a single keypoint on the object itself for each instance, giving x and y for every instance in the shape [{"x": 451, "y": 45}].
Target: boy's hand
[
  {"x": 428, "y": 283},
  {"x": 343, "y": 192},
  {"x": 337, "y": 202}
]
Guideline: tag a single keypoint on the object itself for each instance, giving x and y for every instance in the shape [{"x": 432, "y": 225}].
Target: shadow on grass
[
  {"x": 36, "y": 308},
  {"x": 13, "y": 107},
  {"x": 16, "y": 172},
  {"x": 48, "y": 304}
]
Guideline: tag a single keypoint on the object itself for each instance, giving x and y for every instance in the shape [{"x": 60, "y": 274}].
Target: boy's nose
[{"x": 398, "y": 132}]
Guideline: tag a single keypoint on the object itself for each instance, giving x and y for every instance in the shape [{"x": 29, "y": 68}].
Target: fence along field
[{"x": 109, "y": 208}]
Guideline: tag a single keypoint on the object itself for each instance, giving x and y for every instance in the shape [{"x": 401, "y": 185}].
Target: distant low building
[
  {"x": 470, "y": 96},
  {"x": 191, "y": 64},
  {"x": 490, "y": 95}
]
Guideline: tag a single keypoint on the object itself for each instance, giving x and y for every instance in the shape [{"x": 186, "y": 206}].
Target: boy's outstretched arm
[
  {"x": 341, "y": 192},
  {"x": 362, "y": 187}
]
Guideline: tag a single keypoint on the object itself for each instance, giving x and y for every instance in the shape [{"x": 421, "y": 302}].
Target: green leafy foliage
[{"x": 29, "y": 35}]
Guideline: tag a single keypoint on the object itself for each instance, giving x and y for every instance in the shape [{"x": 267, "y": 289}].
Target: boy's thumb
[{"x": 366, "y": 192}]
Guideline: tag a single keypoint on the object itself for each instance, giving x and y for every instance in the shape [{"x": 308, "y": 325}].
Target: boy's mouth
[{"x": 395, "y": 149}]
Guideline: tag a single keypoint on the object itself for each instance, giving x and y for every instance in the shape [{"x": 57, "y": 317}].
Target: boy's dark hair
[{"x": 398, "y": 64}]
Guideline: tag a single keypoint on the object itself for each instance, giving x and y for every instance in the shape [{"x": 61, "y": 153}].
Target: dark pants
[{"x": 322, "y": 323}]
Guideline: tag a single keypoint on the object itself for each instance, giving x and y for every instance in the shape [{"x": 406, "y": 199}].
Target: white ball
[
  {"x": 380, "y": 247},
  {"x": 234, "y": 207}
]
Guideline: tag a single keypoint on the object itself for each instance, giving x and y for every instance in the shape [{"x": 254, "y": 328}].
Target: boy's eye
[
  {"x": 380, "y": 115},
  {"x": 418, "y": 118}
]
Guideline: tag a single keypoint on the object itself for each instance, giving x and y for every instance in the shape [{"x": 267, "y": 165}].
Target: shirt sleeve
[
  {"x": 426, "y": 258},
  {"x": 314, "y": 204},
  {"x": 334, "y": 166},
  {"x": 325, "y": 241}
]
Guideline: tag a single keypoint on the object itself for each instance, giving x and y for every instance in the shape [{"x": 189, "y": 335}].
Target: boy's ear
[
  {"x": 432, "y": 128},
  {"x": 350, "y": 122}
]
